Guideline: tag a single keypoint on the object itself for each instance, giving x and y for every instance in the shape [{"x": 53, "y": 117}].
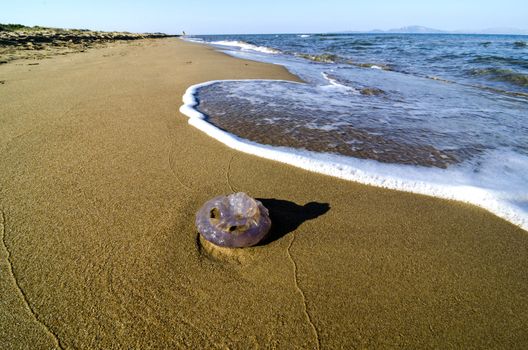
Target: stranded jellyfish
[{"x": 233, "y": 221}]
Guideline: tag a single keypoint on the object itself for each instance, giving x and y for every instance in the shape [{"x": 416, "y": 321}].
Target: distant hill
[
  {"x": 416, "y": 30},
  {"x": 427, "y": 30}
]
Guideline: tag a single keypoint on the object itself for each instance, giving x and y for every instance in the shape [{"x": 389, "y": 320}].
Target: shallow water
[
  {"x": 495, "y": 61},
  {"x": 405, "y": 102}
]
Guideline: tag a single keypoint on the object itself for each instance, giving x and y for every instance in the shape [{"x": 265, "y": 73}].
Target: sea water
[{"x": 443, "y": 115}]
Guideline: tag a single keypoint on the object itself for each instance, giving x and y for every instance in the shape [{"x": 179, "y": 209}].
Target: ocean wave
[
  {"x": 380, "y": 66},
  {"x": 502, "y": 74},
  {"x": 246, "y": 46},
  {"x": 335, "y": 82},
  {"x": 345, "y": 85},
  {"x": 488, "y": 183},
  {"x": 361, "y": 43},
  {"x": 501, "y": 60},
  {"x": 482, "y": 87},
  {"x": 520, "y": 44},
  {"x": 355, "y": 46},
  {"x": 194, "y": 40},
  {"x": 332, "y": 58}
]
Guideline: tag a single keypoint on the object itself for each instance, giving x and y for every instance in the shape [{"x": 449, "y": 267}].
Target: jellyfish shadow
[{"x": 287, "y": 216}]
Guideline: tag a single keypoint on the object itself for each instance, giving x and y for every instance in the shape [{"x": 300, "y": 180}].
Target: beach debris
[{"x": 233, "y": 221}]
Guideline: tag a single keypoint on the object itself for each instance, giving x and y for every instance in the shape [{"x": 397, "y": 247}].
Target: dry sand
[{"x": 99, "y": 182}]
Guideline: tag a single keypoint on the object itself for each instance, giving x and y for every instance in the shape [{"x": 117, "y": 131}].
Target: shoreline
[
  {"x": 349, "y": 168},
  {"x": 101, "y": 179}
]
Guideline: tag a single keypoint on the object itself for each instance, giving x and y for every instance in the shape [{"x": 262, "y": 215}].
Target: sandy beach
[{"x": 101, "y": 177}]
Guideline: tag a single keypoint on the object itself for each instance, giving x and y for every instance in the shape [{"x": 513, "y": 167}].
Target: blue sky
[{"x": 265, "y": 16}]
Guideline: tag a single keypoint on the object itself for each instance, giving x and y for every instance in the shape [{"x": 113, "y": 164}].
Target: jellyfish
[{"x": 233, "y": 221}]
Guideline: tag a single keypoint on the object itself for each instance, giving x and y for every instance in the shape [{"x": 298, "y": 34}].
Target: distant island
[{"x": 427, "y": 30}]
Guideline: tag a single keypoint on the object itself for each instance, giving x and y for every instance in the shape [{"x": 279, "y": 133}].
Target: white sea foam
[
  {"x": 334, "y": 83},
  {"x": 304, "y": 36},
  {"x": 504, "y": 196},
  {"x": 246, "y": 46},
  {"x": 193, "y": 40}
]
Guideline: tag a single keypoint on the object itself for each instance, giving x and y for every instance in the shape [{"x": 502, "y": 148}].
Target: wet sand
[
  {"x": 251, "y": 121},
  {"x": 99, "y": 182}
]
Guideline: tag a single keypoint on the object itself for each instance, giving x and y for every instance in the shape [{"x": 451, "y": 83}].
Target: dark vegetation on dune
[{"x": 19, "y": 41}]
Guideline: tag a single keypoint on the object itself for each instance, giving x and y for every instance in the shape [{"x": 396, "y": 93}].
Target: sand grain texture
[{"x": 100, "y": 179}]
